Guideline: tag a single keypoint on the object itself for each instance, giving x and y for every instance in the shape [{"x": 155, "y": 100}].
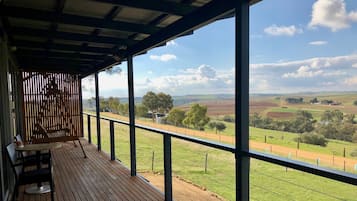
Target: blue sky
[{"x": 295, "y": 46}]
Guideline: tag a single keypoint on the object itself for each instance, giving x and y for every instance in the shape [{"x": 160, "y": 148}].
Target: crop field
[{"x": 214, "y": 107}]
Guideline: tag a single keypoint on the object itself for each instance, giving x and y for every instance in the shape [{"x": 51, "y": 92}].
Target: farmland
[{"x": 268, "y": 182}]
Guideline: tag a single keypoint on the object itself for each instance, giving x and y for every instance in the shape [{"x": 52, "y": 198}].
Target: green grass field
[
  {"x": 316, "y": 113},
  {"x": 267, "y": 181}
]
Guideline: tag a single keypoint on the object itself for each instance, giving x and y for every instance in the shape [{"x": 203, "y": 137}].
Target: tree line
[
  {"x": 333, "y": 124},
  {"x": 161, "y": 103}
]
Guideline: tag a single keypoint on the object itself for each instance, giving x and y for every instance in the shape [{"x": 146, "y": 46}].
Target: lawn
[
  {"x": 267, "y": 181},
  {"x": 286, "y": 139}
]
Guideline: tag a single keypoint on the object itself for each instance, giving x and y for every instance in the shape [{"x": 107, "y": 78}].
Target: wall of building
[{"x": 6, "y": 123}]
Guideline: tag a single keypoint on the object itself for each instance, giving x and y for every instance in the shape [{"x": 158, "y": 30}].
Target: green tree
[
  {"x": 124, "y": 109},
  {"x": 346, "y": 131},
  {"x": 327, "y": 116},
  {"x": 176, "y": 116},
  {"x": 328, "y": 130},
  {"x": 160, "y": 102},
  {"x": 103, "y": 104},
  {"x": 220, "y": 126},
  {"x": 196, "y": 117},
  {"x": 304, "y": 122},
  {"x": 217, "y": 126},
  {"x": 113, "y": 104},
  {"x": 256, "y": 120},
  {"x": 349, "y": 118},
  {"x": 141, "y": 110},
  {"x": 354, "y": 138},
  {"x": 151, "y": 101},
  {"x": 332, "y": 116},
  {"x": 337, "y": 116},
  {"x": 212, "y": 125},
  {"x": 355, "y": 102},
  {"x": 165, "y": 102}
]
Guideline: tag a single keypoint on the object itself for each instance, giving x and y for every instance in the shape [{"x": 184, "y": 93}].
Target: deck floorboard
[{"x": 93, "y": 178}]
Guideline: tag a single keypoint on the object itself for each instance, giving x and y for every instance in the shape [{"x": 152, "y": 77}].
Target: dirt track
[
  {"x": 323, "y": 159},
  {"x": 182, "y": 190}
]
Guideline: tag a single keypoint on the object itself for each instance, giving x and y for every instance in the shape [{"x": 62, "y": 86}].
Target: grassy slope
[{"x": 268, "y": 181}]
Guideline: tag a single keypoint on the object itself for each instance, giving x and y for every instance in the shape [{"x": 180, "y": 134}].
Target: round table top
[{"x": 38, "y": 147}]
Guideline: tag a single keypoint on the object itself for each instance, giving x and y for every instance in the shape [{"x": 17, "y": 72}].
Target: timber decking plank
[{"x": 93, "y": 178}]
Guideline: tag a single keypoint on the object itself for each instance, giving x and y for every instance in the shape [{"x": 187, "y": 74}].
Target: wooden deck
[{"x": 94, "y": 178}]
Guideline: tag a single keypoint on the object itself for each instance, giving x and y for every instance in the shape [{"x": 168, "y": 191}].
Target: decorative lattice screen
[{"x": 53, "y": 100}]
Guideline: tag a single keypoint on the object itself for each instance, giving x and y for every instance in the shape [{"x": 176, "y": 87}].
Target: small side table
[{"x": 39, "y": 188}]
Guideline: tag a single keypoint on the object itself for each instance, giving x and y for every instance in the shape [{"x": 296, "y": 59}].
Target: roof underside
[{"x": 85, "y": 36}]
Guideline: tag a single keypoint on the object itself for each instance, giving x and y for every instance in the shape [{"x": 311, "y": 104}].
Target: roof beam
[
  {"x": 53, "y": 68},
  {"x": 109, "y": 62},
  {"x": 35, "y": 14},
  {"x": 56, "y": 61},
  {"x": 208, "y": 13},
  {"x": 70, "y": 36},
  {"x": 20, "y": 44},
  {"x": 111, "y": 14},
  {"x": 155, "y": 5},
  {"x": 50, "y": 54},
  {"x": 54, "y": 25}
]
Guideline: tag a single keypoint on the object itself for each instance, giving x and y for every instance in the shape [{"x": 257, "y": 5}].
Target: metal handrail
[{"x": 337, "y": 175}]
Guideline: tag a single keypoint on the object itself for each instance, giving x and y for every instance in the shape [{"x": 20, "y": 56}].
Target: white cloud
[
  {"x": 171, "y": 43},
  {"x": 149, "y": 72},
  {"x": 351, "y": 81},
  {"x": 354, "y": 65},
  {"x": 327, "y": 84},
  {"x": 164, "y": 57},
  {"x": 206, "y": 71},
  {"x": 334, "y": 73},
  {"x": 303, "y": 72},
  {"x": 331, "y": 14},
  {"x": 275, "y": 30},
  {"x": 318, "y": 42},
  {"x": 199, "y": 80},
  {"x": 314, "y": 63}
]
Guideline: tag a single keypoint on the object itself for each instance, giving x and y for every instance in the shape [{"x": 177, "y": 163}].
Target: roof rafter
[
  {"x": 206, "y": 14},
  {"x": 51, "y": 54},
  {"x": 155, "y": 5},
  {"x": 64, "y": 47},
  {"x": 71, "y": 36},
  {"x": 35, "y": 14}
]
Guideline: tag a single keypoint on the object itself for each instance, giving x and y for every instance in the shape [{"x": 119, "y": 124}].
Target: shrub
[
  {"x": 312, "y": 138},
  {"x": 228, "y": 118},
  {"x": 353, "y": 153}
]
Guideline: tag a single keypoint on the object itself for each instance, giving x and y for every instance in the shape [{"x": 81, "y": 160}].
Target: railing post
[
  {"x": 97, "y": 105},
  {"x": 89, "y": 129},
  {"x": 131, "y": 117},
  {"x": 112, "y": 145},
  {"x": 242, "y": 98},
  {"x": 167, "y": 167}
]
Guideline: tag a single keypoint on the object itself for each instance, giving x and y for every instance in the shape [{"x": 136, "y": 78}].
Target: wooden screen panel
[{"x": 53, "y": 100}]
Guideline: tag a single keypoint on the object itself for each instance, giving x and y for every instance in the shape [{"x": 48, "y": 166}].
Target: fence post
[
  {"x": 206, "y": 161},
  {"x": 167, "y": 167},
  {"x": 89, "y": 129},
  {"x": 112, "y": 141},
  {"x": 152, "y": 161},
  {"x": 344, "y": 152}
]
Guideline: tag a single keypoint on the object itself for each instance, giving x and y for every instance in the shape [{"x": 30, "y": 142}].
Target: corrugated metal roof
[{"x": 102, "y": 32}]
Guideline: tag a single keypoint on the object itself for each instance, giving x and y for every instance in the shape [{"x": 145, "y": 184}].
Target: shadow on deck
[{"x": 94, "y": 178}]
